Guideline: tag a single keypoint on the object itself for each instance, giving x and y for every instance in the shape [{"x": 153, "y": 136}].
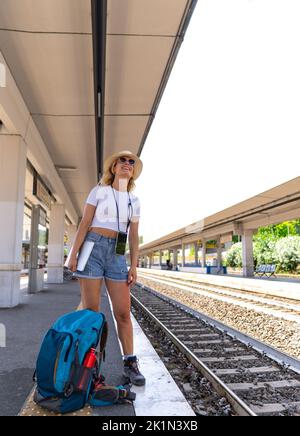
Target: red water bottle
[
  {"x": 89, "y": 362},
  {"x": 90, "y": 358}
]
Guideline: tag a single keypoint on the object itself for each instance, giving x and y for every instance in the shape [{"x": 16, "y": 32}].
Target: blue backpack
[{"x": 63, "y": 383}]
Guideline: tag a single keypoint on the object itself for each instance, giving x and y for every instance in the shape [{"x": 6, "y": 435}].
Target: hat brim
[{"x": 138, "y": 166}]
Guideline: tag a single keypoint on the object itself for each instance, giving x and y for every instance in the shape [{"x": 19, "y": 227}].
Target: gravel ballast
[{"x": 281, "y": 334}]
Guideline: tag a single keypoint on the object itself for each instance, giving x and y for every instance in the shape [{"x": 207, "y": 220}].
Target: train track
[
  {"x": 255, "y": 379},
  {"x": 279, "y": 307}
]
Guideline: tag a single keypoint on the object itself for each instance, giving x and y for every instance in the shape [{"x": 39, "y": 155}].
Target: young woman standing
[{"x": 111, "y": 210}]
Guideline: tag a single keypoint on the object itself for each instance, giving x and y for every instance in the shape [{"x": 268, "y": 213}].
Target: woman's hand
[
  {"x": 132, "y": 276},
  {"x": 72, "y": 264}
]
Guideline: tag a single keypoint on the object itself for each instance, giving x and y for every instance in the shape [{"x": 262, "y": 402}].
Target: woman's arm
[
  {"x": 134, "y": 251},
  {"x": 88, "y": 215},
  {"x": 134, "y": 243}
]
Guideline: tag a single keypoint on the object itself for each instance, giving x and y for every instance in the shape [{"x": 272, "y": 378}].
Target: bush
[
  {"x": 284, "y": 253},
  {"x": 287, "y": 253},
  {"x": 264, "y": 252},
  {"x": 233, "y": 257}
]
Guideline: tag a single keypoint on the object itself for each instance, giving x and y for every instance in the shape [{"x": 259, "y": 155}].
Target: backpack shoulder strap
[
  {"x": 103, "y": 339},
  {"x": 102, "y": 344}
]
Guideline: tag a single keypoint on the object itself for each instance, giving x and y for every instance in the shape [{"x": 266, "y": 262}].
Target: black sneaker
[{"x": 132, "y": 372}]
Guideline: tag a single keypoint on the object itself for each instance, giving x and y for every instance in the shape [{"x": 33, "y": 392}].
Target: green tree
[{"x": 278, "y": 231}]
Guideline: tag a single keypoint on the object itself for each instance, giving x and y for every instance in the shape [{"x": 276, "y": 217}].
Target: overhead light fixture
[{"x": 61, "y": 168}]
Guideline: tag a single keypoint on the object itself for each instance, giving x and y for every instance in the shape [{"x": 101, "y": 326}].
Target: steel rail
[{"x": 238, "y": 405}]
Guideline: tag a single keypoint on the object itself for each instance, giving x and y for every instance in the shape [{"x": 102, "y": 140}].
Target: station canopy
[
  {"x": 49, "y": 48},
  {"x": 276, "y": 205}
]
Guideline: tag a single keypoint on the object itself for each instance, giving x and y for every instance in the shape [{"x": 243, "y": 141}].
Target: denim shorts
[{"x": 103, "y": 262}]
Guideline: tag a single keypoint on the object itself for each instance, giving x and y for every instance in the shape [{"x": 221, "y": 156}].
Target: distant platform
[{"x": 287, "y": 288}]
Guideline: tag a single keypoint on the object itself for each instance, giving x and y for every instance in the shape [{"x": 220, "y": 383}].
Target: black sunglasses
[{"x": 124, "y": 159}]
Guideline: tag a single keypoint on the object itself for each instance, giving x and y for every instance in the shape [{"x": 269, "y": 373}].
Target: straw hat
[{"x": 137, "y": 168}]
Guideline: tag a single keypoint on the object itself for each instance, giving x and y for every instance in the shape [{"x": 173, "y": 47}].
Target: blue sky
[{"x": 228, "y": 124}]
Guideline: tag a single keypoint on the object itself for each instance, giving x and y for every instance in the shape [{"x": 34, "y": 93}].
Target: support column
[
  {"x": 196, "y": 253},
  {"x": 12, "y": 192},
  {"x": 171, "y": 257},
  {"x": 203, "y": 253},
  {"x": 247, "y": 247},
  {"x": 56, "y": 244},
  {"x": 71, "y": 230},
  {"x": 219, "y": 253},
  {"x": 36, "y": 274},
  {"x": 183, "y": 253},
  {"x": 175, "y": 257}
]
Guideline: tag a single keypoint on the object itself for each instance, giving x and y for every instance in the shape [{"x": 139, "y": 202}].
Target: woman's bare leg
[
  {"x": 90, "y": 293},
  {"x": 119, "y": 293}
]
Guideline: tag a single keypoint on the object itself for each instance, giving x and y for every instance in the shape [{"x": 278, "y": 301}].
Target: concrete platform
[
  {"x": 26, "y": 326},
  {"x": 280, "y": 288}
]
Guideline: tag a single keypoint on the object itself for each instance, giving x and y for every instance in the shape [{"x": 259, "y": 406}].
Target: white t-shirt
[{"x": 105, "y": 216}]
